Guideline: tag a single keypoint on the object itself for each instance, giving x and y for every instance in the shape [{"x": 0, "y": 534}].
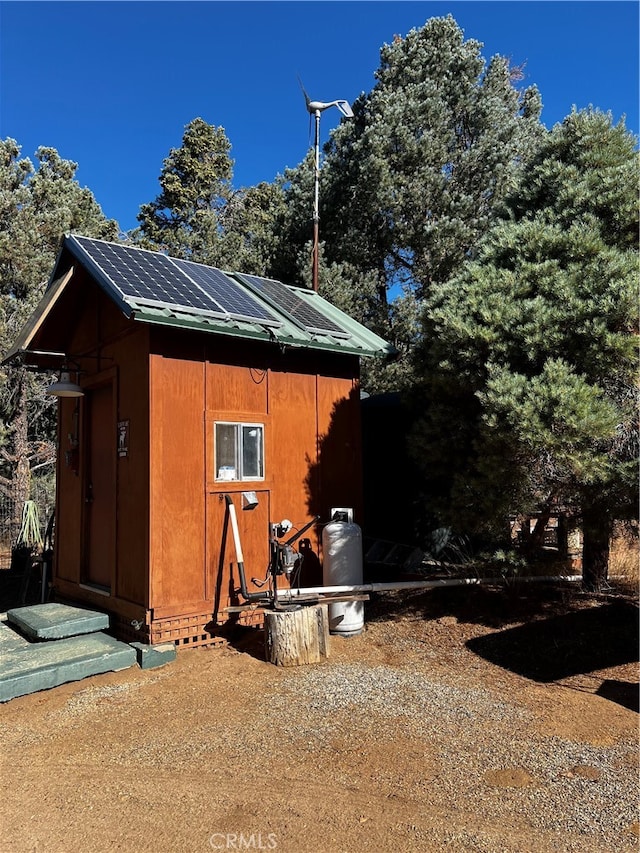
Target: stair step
[
  {"x": 30, "y": 667},
  {"x": 56, "y": 621}
]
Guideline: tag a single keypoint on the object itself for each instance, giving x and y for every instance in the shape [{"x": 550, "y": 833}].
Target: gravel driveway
[{"x": 405, "y": 739}]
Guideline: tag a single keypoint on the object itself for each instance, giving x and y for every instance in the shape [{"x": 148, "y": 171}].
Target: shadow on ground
[
  {"x": 245, "y": 639},
  {"x": 573, "y": 643},
  {"x": 489, "y": 606},
  {"x": 624, "y": 693},
  {"x": 546, "y": 632}
]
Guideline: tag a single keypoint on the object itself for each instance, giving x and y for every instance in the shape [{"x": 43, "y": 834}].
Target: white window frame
[{"x": 235, "y": 473}]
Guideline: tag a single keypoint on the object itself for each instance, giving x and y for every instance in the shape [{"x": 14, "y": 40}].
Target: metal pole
[
  {"x": 316, "y": 206},
  {"x": 297, "y": 593}
]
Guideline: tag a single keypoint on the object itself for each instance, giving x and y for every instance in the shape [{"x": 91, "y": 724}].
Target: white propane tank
[{"x": 342, "y": 566}]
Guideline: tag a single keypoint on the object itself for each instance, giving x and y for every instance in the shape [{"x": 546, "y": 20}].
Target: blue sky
[{"x": 111, "y": 85}]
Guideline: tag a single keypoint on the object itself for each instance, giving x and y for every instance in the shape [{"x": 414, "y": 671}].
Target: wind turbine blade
[
  {"x": 306, "y": 97},
  {"x": 344, "y": 108}
]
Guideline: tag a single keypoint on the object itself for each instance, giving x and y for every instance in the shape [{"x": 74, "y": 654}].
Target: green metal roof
[{"x": 140, "y": 283}]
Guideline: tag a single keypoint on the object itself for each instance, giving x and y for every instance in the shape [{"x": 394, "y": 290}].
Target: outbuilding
[{"x": 196, "y": 386}]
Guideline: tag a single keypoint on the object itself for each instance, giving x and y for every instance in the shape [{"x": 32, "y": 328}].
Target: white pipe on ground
[{"x": 384, "y": 587}]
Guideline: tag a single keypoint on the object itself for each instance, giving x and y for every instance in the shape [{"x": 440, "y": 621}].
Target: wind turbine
[{"x": 315, "y": 108}]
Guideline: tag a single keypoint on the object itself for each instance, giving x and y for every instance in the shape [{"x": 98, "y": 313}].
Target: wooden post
[{"x": 298, "y": 636}]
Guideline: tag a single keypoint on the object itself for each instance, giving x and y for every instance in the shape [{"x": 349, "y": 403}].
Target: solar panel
[
  {"x": 224, "y": 290},
  {"x": 148, "y": 275},
  {"x": 171, "y": 282},
  {"x": 298, "y": 309}
]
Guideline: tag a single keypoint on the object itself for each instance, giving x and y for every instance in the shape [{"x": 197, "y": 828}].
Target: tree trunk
[
  {"x": 295, "y": 637},
  {"x": 536, "y": 540},
  {"x": 596, "y": 538}
]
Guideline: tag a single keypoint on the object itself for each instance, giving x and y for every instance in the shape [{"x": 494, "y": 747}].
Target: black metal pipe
[
  {"x": 297, "y": 535},
  {"x": 249, "y": 596}
]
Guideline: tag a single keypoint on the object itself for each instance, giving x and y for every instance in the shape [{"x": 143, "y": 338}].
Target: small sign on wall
[{"x": 123, "y": 438}]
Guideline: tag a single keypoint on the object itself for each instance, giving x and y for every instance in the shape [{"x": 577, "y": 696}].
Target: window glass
[
  {"x": 239, "y": 451},
  {"x": 226, "y": 452},
  {"x": 252, "y": 452}
]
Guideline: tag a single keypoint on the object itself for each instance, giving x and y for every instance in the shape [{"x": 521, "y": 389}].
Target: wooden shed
[{"x": 197, "y": 384}]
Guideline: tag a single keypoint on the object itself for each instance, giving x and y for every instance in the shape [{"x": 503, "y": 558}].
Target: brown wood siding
[
  {"x": 72, "y": 318},
  {"x": 98, "y": 566},
  {"x": 236, "y": 389},
  {"x": 340, "y": 464},
  {"x": 223, "y": 559},
  {"x": 172, "y": 558},
  {"x": 132, "y": 578},
  {"x": 304, "y": 410},
  {"x": 177, "y": 531},
  {"x": 291, "y": 445},
  {"x": 104, "y": 342},
  {"x": 238, "y": 394}
]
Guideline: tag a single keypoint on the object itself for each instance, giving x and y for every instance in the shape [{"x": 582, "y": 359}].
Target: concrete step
[
  {"x": 56, "y": 621},
  {"x": 10, "y": 641},
  {"x": 29, "y": 667}
]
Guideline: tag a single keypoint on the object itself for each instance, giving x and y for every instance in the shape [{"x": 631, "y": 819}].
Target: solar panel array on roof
[
  {"x": 147, "y": 275},
  {"x": 224, "y": 290},
  {"x": 288, "y": 300},
  {"x": 157, "y": 279}
]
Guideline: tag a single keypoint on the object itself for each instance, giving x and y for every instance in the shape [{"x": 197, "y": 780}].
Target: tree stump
[{"x": 297, "y": 636}]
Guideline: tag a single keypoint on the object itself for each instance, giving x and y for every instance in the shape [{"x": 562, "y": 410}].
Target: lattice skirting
[
  {"x": 125, "y": 631},
  {"x": 187, "y": 631},
  {"x": 190, "y": 631}
]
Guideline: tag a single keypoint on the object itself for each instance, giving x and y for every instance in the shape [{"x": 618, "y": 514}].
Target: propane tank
[{"x": 342, "y": 566}]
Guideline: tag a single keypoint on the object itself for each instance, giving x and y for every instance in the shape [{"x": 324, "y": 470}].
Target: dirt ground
[{"x": 459, "y": 719}]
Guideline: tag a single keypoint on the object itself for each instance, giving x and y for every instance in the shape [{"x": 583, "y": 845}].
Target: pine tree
[
  {"x": 529, "y": 355},
  {"x": 411, "y": 183},
  {"x": 37, "y": 207},
  {"x": 198, "y": 214},
  {"x": 185, "y": 219}
]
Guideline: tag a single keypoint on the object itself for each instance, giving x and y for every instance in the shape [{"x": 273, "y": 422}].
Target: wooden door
[{"x": 99, "y": 487}]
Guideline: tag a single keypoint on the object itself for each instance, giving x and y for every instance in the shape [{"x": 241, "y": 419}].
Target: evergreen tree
[
  {"x": 185, "y": 219},
  {"x": 37, "y": 207},
  {"x": 200, "y": 217},
  {"x": 408, "y": 187},
  {"x": 251, "y": 219},
  {"x": 412, "y": 182},
  {"x": 529, "y": 355}
]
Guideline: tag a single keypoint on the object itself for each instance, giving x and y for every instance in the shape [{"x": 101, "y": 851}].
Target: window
[{"x": 239, "y": 451}]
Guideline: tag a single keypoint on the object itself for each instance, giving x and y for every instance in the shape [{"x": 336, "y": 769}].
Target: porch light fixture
[{"x": 64, "y": 387}]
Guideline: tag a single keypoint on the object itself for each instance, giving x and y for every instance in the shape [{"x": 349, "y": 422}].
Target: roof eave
[
  {"x": 22, "y": 344},
  {"x": 265, "y": 334}
]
